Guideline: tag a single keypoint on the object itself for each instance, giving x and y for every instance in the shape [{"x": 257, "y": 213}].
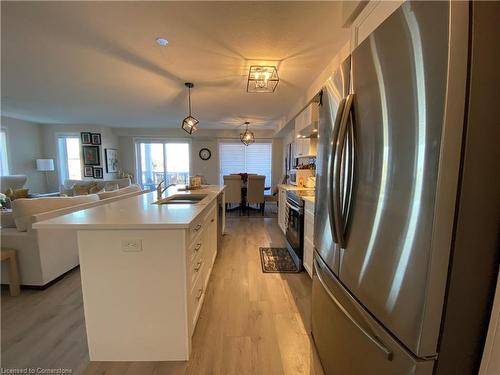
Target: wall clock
[{"x": 205, "y": 154}]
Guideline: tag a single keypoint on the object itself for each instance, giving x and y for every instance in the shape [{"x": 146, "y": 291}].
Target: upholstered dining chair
[
  {"x": 255, "y": 191},
  {"x": 233, "y": 190}
]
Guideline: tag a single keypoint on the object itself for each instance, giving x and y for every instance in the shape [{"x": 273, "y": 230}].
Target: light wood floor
[{"x": 250, "y": 323}]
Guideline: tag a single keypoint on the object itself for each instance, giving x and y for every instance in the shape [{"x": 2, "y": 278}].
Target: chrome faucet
[{"x": 160, "y": 191}]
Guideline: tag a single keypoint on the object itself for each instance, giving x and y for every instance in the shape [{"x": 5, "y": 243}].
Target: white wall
[
  {"x": 41, "y": 142},
  {"x": 208, "y": 168},
  {"x": 49, "y": 139},
  {"x": 24, "y": 146},
  {"x": 202, "y": 139}
]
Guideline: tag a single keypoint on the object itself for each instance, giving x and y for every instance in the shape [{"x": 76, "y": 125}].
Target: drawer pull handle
[
  {"x": 198, "y": 266},
  {"x": 198, "y": 247},
  {"x": 200, "y": 293},
  {"x": 212, "y": 220},
  {"x": 197, "y": 228}
]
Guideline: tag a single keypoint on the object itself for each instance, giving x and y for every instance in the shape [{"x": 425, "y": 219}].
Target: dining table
[{"x": 244, "y": 187}]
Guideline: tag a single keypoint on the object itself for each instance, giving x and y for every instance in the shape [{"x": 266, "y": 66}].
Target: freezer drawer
[{"x": 348, "y": 340}]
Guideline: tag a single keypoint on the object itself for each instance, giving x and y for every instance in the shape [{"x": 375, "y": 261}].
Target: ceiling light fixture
[
  {"x": 262, "y": 79},
  {"x": 189, "y": 123},
  {"x": 247, "y": 137},
  {"x": 162, "y": 41}
]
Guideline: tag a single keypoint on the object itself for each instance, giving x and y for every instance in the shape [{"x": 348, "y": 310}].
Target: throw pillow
[
  {"x": 16, "y": 194},
  {"x": 93, "y": 188},
  {"x": 80, "y": 189}
]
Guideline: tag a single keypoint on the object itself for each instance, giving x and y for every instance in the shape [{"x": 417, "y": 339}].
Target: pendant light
[
  {"x": 189, "y": 123},
  {"x": 247, "y": 137}
]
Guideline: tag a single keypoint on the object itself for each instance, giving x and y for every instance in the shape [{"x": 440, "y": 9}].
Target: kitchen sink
[{"x": 182, "y": 199}]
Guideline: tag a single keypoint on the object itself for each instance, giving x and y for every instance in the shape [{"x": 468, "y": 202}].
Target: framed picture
[
  {"x": 96, "y": 138},
  {"x": 98, "y": 172},
  {"x": 88, "y": 172},
  {"x": 86, "y": 138},
  {"x": 111, "y": 155},
  {"x": 91, "y": 155}
]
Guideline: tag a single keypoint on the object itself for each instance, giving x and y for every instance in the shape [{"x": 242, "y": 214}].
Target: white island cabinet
[{"x": 144, "y": 270}]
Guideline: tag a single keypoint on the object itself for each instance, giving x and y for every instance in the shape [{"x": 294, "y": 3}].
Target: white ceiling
[{"x": 98, "y": 63}]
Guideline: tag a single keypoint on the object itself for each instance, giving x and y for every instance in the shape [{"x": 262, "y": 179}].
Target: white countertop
[
  {"x": 137, "y": 212},
  {"x": 293, "y": 187}
]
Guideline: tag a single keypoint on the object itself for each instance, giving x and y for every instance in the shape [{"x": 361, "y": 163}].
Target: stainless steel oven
[{"x": 295, "y": 227}]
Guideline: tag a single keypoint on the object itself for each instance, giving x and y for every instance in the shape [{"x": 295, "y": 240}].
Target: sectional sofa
[{"x": 43, "y": 255}]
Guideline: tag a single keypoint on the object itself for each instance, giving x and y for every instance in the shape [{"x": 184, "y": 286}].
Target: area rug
[{"x": 277, "y": 259}]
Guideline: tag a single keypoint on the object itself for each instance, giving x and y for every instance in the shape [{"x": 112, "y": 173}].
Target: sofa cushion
[
  {"x": 7, "y": 219},
  {"x": 115, "y": 193},
  {"x": 23, "y": 209}
]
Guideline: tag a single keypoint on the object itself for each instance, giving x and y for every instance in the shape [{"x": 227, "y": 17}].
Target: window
[
  {"x": 235, "y": 157},
  {"x": 4, "y": 161},
  {"x": 162, "y": 160},
  {"x": 70, "y": 164}
]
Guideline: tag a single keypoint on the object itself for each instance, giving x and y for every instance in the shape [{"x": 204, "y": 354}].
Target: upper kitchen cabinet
[
  {"x": 305, "y": 147},
  {"x": 306, "y": 122},
  {"x": 366, "y": 17},
  {"x": 306, "y": 127}
]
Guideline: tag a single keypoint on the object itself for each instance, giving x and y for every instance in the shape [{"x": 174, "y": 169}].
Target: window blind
[{"x": 238, "y": 158}]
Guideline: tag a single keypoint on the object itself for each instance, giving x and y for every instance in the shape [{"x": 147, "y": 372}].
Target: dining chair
[
  {"x": 255, "y": 192},
  {"x": 233, "y": 190}
]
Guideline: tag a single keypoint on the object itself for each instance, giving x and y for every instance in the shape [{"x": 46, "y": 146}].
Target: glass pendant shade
[
  {"x": 189, "y": 124},
  {"x": 247, "y": 137},
  {"x": 262, "y": 79}
]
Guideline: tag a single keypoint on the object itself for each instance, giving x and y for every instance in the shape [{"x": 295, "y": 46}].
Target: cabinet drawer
[
  {"x": 195, "y": 269},
  {"x": 196, "y": 248},
  {"x": 195, "y": 298},
  {"x": 195, "y": 229}
]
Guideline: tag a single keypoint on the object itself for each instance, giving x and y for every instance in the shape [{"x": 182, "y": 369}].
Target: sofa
[
  {"x": 68, "y": 187},
  {"x": 45, "y": 254}
]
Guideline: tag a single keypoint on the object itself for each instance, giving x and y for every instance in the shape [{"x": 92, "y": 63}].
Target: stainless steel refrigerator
[{"x": 398, "y": 288}]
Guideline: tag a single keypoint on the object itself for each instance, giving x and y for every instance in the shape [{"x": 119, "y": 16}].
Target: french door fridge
[{"x": 388, "y": 163}]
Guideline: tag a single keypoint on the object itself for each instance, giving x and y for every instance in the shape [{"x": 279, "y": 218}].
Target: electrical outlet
[{"x": 131, "y": 245}]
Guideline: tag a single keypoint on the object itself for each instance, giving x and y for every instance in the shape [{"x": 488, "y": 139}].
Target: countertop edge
[{"x": 54, "y": 224}]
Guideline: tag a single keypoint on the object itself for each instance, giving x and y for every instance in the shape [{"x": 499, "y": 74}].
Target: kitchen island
[{"x": 144, "y": 269}]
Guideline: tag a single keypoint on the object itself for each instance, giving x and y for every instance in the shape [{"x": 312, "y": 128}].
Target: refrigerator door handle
[
  {"x": 337, "y": 167},
  {"x": 350, "y": 171},
  {"x": 331, "y": 198},
  {"x": 374, "y": 339}
]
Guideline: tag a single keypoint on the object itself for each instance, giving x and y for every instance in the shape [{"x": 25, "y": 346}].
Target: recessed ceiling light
[{"x": 162, "y": 41}]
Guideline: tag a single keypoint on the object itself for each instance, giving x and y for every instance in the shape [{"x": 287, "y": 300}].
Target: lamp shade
[{"x": 44, "y": 164}]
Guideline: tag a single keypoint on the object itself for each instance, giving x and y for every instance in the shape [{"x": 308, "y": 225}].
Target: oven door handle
[{"x": 296, "y": 209}]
